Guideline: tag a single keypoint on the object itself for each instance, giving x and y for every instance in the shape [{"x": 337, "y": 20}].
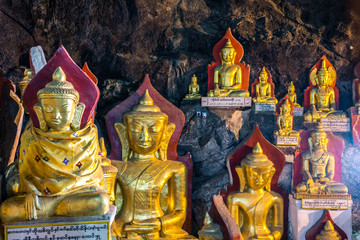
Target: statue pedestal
[
  {"x": 95, "y": 227},
  {"x": 301, "y": 220}
]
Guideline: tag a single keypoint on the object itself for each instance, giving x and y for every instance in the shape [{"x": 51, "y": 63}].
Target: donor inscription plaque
[
  {"x": 298, "y": 111},
  {"x": 341, "y": 204},
  {"x": 286, "y": 141},
  {"x": 264, "y": 107},
  {"x": 63, "y": 228},
  {"x": 226, "y": 101},
  {"x": 336, "y": 124}
]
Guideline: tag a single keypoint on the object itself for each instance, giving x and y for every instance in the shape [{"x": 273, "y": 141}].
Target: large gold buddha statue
[
  {"x": 292, "y": 95},
  {"x": 328, "y": 233},
  {"x": 256, "y": 209},
  {"x": 263, "y": 89},
  {"x": 322, "y": 97},
  {"x": 59, "y": 165},
  {"x": 318, "y": 167},
  {"x": 285, "y": 121},
  {"x": 145, "y": 175},
  {"x": 227, "y": 75}
]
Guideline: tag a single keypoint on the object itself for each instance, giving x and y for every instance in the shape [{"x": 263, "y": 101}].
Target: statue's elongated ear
[
  {"x": 169, "y": 130},
  {"x": 310, "y": 143},
  {"x": 242, "y": 179},
  {"x": 268, "y": 184},
  {"x": 313, "y": 76},
  {"x": 121, "y": 131},
  {"x": 79, "y": 110},
  {"x": 39, "y": 113},
  {"x": 332, "y": 75}
]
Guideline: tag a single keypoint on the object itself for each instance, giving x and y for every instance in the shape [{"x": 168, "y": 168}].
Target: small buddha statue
[
  {"x": 292, "y": 95},
  {"x": 193, "y": 89},
  {"x": 263, "y": 89},
  {"x": 318, "y": 167},
  {"x": 257, "y": 210},
  {"x": 328, "y": 233},
  {"x": 145, "y": 174},
  {"x": 285, "y": 121},
  {"x": 322, "y": 97},
  {"x": 28, "y": 75},
  {"x": 59, "y": 167},
  {"x": 210, "y": 230},
  {"x": 228, "y": 75}
]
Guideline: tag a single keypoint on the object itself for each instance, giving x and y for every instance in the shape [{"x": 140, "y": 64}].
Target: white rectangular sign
[
  {"x": 57, "y": 231},
  {"x": 226, "y": 101},
  {"x": 336, "y": 124},
  {"x": 287, "y": 140},
  {"x": 324, "y": 204},
  {"x": 298, "y": 111},
  {"x": 264, "y": 107}
]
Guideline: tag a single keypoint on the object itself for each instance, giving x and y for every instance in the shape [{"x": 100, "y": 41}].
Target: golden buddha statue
[
  {"x": 263, "y": 89},
  {"x": 210, "y": 230},
  {"x": 60, "y": 164},
  {"x": 145, "y": 176},
  {"x": 328, "y": 233},
  {"x": 322, "y": 97},
  {"x": 193, "y": 89},
  {"x": 256, "y": 209},
  {"x": 318, "y": 167},
  {"x": 28, "y": 75},
  {"x": 227, "y": 75},
  {"x": 285, "y": 121},
  {"x": 292, "y": 95}
]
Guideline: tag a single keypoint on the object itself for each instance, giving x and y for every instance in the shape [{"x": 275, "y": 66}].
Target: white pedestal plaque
[
  {"x": 265, "y": 107},
  {"x": 93, "y": 227},
  {"x": 226, "y": 101},
  {"x": 298, "y": 111},
  {"x": 287, "y": 141},
  {"x": 336, "y": 124},
  {"x": 301, "y": 220}
]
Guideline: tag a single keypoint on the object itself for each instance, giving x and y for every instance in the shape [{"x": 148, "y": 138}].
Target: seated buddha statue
[
  {"x": 292, "y": 95},
  {"x": 322, "y": 97},
  {"x": 227, "y": 75},
  {"x": 328, "y": 233},
  {"x": 257, "y": 210},
  {"x": 145, "y": 175},
  {"x": 193, "y": 89},
  {"x": 318, "y": 167},
  {"x": 285, "y": 121},
  {"x": 263, "y": 89},
  {"x": 59, "y": 167}
]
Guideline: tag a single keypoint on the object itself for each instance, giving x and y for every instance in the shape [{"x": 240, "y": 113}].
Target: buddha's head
[
  {"x": 322, "y": 75},
  {"x": 291, "y": 88},
  {"x": 194, "y": 79},
  {"x": 58, "y": 103},
  {"x": 263, "y": 77},
  {"x": 285, "y": 108},
  {"x": 318, "y": 138},
  {"x": 146, "y": 128},
  {"x": 328, "y": 233},
  {"x": 257, "y": 169},
  {"x": 228, "y": 53}
]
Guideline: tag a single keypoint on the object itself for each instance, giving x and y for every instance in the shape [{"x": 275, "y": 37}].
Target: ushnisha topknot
[
  {"x": 318, "y": 129},
  {"x": 58, "y": 87},
  {"x": 146, "y": 106},
  {"x": 323, "y": 69},
  {"x": 228, "y": 44},
  {"x": 256, "y": 158}
]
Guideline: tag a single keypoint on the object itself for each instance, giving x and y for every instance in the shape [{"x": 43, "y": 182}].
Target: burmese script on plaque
[
  {"x": 264, "y": 107},
  {"x": 298, "y": 111},
  {"x": 287, "y": 140},
  {"x": 226, "y": 101},
  {"x": 336, "y": 124},
  {"x": 61, "y": 231},
  {"x": 324, "y": 204}
]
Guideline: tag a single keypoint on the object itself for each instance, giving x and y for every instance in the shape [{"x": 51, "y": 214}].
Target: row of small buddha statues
[{"x": 62, "y": 169}]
